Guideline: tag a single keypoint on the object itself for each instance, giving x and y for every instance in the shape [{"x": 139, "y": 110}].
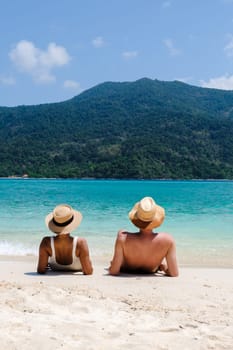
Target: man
[{"x": 145, "y": 251}]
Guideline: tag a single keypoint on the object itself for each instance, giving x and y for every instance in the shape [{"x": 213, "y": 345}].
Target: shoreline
[
  {"x": 100, "y": 312},
  {"x": 115, "y": 179},
  {"x": 184, "y": 261}
]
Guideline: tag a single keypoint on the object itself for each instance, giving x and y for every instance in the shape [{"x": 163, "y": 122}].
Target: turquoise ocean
[{"x": 199, "y": 214}]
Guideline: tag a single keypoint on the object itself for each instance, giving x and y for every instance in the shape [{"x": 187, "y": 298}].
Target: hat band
[{"x": 62, "y": 224}]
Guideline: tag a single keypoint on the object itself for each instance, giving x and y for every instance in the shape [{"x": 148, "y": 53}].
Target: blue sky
[{"x": 51, "y": 50}]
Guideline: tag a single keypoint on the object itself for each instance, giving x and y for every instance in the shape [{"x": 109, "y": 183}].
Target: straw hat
[
  {"x": 146, "y": 214},
  {"x": 63, "y": 219}
]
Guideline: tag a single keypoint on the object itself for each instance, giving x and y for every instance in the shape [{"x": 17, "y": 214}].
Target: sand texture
[{"x": 98, "y": 312}]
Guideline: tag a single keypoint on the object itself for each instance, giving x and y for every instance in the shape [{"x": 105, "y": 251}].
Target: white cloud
[
  {"x": 38, "y": 63},
  {"x": 171, "y": 47},
  {"x": 54, "y": 56},
  {"x": 7, "y": 80},
  {"x": 72, "y": 84},
  {"x": 224, "y": 82},
  {"x": 98, "y": 42},
  {"x": 129, "y": 54}
]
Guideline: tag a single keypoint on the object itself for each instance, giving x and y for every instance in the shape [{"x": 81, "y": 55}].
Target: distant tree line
[{"x": 143, "y": 129}]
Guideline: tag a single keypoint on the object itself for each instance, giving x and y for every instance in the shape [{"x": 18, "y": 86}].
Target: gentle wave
[
  {"x": 12, "y": 248},
  {"x": 198, "y": 214}
]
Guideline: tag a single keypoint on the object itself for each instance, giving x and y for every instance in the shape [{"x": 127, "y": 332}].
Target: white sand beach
[{"x": 98, "y": 312}]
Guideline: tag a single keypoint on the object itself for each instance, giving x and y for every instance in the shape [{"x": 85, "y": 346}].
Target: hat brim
[
  {"x": 155, "y": 222},
  {"x": 77, "y": 218}
]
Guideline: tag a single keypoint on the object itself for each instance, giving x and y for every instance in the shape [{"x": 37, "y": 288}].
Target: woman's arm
[
  {"x": 84, "y": 257},
  {"x": 43, "y": 255}
]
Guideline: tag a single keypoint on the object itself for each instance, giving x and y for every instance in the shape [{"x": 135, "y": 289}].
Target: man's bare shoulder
[
  {"x": 123, "y": 234},
  {"x": 164, "y": 236}
]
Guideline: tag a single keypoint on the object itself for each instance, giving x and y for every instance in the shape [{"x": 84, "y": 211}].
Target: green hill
[{"x": 142, "y": 129}]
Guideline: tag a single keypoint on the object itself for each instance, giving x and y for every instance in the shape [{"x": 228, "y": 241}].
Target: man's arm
[
  {"x": 85, "y": 257},
  {"x": 118, "y": 257},
  {"x": 172, "y": 267}
]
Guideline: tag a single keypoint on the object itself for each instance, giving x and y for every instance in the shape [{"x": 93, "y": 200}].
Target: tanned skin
[
  {"x": 63, "y": 247},
  {"x": 144, "y": 251}
]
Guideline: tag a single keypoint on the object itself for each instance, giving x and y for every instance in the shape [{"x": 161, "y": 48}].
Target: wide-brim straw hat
[
  {"x": 146, "y": 214},
  {"x": 63, "y": 219}
]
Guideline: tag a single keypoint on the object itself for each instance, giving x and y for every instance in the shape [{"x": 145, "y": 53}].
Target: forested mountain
[{"x": 142, "y": 129}]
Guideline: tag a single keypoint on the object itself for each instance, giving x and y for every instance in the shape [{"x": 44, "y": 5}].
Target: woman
[{"x": 64, "y": 252}]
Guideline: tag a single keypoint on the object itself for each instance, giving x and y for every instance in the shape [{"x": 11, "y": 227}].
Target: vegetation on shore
[{"x": 143, "y": 129}]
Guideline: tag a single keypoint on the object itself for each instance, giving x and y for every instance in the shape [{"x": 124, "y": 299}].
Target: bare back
[
  {"x": 143, "y": 251},
  {"x": 63, "y": 247}
]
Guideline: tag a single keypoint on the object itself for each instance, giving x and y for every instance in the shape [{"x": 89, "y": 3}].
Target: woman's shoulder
[
  {"x": 46, "y": 240},
  {"x": 81, "y": 240}
]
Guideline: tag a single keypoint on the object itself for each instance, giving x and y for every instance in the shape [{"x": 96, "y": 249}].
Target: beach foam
[{"x": 16, "y": 248}]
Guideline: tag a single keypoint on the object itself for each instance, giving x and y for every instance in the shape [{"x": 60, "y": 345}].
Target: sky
[{"x": 52, "y": 50}]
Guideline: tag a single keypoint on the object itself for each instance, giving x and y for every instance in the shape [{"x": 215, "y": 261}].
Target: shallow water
[{"x": 199, "y": 214}]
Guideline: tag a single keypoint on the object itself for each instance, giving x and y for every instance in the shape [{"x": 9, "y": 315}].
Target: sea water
[{"x": 199, "y": 214}]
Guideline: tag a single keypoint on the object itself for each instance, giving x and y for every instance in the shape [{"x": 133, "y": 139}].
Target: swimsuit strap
[
  {"x": 75, "y": 241},
  {"x": 52, "y": 247}
]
